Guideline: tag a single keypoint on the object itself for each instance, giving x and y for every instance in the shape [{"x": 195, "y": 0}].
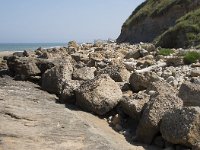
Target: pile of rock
[{"x": 122, "y": 83}]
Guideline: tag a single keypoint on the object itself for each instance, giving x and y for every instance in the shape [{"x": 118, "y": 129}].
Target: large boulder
[
  {"x": 85, "y": 73},
  {"x": 190, "y": 94},
  {"x": 54, "y": 78},
  {"x": 182, "y": 126},
  {"x": 140, "y": 81},
  {"x": 158, "y": 105},
  {"x": 134, "y": 104},
  {"x": 99, "y": 95},
  {"x": 160, "y": 87},
  {"x": 23, "y": 66},
  {"x": 117, "y": 73}
]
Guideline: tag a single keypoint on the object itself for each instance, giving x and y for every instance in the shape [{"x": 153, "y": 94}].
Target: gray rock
[
  {"x": 159, "y": 104},
  {"x": 99, "y": 95},
  {"x": 23, "y": 66},
  {"x": 140, "y": 81},
  {"x": 134, "y": 104},
  {"x": 85, "y": 73},
  {"x": 195, "y": 72},
  {"x": 190, "y": 94},
  {"x": 53, "y": 79},
  {"x": 68, "y": 91},
  {"x": 117, "y": 73},
  {"x": 160, "y": 87},
  {"x": 133, "y": 54},
  {"x": 182, "y": 126}
]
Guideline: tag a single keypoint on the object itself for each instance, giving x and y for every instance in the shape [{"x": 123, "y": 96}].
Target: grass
[
  {"x": 185, "y": 33},
  {"x": 153, "y": 8},
  {"x": 191, "y": 57},
  {"x": 165, "y": 52}
]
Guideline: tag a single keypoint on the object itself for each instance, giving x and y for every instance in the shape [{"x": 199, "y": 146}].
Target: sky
[{"x": 33, "y": 21}]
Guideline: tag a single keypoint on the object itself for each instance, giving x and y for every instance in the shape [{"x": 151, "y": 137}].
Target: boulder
[
  {"x": 45, "y": 64},
  {"x": 160, "y": 87},
  {"x": 190, "y": 93},
  {"x": 174, "y": 60},
  {"x": 117, "y": 73},
  {"x": 133, "y": 54},
  {"x": 68, "y": 91},
  {"x": 53, "y": 79},
  {"x": 99, "y": 95},
  {"x": 158, "y": 105},
  {"x": 134, "y": 104},
  {"x": 195, "y": 72},
  {"x": 182, "y": 126},
  {"x": 23, "y": 66},
  {"x": 85, "y": 73},
  {"x": 140, "y": 81}
]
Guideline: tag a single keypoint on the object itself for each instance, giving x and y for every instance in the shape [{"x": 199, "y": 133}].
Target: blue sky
[{"x": 62, "y": 20}]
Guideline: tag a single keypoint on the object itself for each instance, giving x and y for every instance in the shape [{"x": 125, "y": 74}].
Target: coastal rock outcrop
[{"x": 153, "y": 18}]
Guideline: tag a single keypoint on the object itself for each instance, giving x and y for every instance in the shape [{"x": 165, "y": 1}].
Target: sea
[{"x": 28, "y": 46}]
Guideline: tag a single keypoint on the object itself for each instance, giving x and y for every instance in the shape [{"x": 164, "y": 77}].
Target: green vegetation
[
  {"x": 153, "y": 8},
  {"x": 191, "y": 57},
  {"x": 165, "y": 52},
  {"x": 185, "y": 33}
]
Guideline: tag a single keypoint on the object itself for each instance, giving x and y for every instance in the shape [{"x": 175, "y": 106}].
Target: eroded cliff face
[{"x": 149, "y": 20}]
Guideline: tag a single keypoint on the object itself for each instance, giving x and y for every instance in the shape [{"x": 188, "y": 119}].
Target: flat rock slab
[{"x": 30, "y": 119}]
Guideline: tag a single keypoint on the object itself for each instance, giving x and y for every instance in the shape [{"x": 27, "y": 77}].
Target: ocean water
[{"x": 27, "y": 46}]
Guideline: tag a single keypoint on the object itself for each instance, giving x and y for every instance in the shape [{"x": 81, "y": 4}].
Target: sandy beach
[{"x": 5, "y": 53}]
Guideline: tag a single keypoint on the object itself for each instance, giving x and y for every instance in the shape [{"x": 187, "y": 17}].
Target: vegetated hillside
[
  {"x": 185, "y": 33},
  {"x": 153, "y": 17}
]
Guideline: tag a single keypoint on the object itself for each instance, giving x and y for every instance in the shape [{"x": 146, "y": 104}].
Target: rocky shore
[{"x": 147, "y": 94}]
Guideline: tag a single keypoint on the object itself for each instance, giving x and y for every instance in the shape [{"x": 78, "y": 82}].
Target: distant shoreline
[{"x": 28, "y": 46}]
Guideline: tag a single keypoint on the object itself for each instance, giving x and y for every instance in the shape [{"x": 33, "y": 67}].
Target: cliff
[{"x": 154, "y": 17}]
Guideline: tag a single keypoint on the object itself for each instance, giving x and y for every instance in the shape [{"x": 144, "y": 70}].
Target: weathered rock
[
  {"x": 80, "y": 57},
  {"x": 149, "y": 47},
  {"x": 160, "y": 87},
  {"x": 85, "y": 73},
  {"x": 174, "y": 61},
  {"x": 30, "y": 119},
  {"x": 53, "y": 79},
  {"x": 190, "y": 94},
  {"x": 99, "y": 95},
  {"x": 68, "y": 91},
  {"x": 182, "y": 126},
  {"x": 23, "y": 66},
  {"x": 3, "y": 65},
  {"x": 72, "y": 44},
  {"x": 195, "y": 72},
  {"x": 133, "y": 54},
  {"x": 45, "y": 64},
  {"x": 156, "y": 108},
  {"x": 140, "y": 81},
  {"x": 117, "y": 73},
  {"x": 134, "y": 105},
  {"x": 124, "y": 86}
]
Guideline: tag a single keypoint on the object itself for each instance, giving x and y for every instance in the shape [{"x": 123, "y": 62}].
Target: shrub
[
  {"x": 191, "y": 57},
  {"x": 165, "y": 52}
]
